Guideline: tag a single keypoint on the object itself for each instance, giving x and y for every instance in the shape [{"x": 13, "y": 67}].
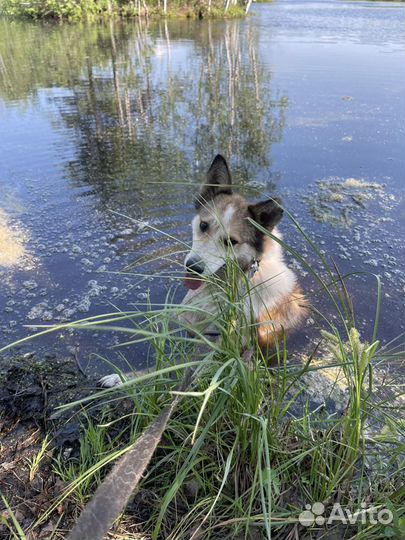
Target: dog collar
[{"x": 254, "y": 267}]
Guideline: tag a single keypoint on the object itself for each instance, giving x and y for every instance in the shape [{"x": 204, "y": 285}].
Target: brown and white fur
[
  {"x": 223, "y": 225},
  {"x": 275, "y": 297}
]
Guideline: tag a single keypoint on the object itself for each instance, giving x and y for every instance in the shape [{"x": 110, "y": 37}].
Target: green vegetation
[
  {"x": 245, "y": 451},
  {"x": 36, "y": 460},
  {"x": 77, "y": 10},
  {"x": 10, "y": 522}
]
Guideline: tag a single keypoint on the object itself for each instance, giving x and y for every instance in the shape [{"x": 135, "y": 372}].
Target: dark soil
[{"x": 30, "y": 391}]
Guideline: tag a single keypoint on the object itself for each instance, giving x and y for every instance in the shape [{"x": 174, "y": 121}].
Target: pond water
[{"x": 306, "y": 98}]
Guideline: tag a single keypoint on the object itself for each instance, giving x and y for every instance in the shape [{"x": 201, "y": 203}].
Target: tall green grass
[{"x": 244, "y": 451}]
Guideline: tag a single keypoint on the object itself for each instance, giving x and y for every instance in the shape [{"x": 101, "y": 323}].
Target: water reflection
[
  {"x": 136, "y": 100},
  {"x": 141, "y": 109},
  {"x": 157, "y": 104}
]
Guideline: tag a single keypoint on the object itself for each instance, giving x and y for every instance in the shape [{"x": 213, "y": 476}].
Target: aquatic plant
[{"x": 337, "y": 201}]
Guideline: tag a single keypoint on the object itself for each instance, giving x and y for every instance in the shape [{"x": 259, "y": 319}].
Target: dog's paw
[{"x": 109, "y": 381}]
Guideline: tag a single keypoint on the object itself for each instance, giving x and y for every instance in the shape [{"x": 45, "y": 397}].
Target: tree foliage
[{"x": 76, "y": 10}]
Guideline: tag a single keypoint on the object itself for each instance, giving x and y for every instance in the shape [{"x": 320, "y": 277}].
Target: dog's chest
[{"x": 268, "y": 286}]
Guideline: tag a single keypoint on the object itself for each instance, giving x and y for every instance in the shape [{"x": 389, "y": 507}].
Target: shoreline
[{"x": 11, "y": 9}]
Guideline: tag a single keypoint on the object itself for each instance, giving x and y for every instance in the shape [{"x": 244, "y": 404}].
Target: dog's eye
[
  {"x": 204, "y": 226},
  {"x": 230, "y": 242}
]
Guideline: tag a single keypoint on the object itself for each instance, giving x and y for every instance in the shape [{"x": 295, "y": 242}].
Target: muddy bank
[
  {"x": 30, "y": 390},
  {"x": 32, "y": 387}
]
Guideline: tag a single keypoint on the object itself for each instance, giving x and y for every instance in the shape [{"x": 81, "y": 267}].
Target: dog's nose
[{"x": 194, "y": 266}]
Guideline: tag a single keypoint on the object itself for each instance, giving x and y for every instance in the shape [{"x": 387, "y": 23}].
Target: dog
[{"x": 224, "y": 227}]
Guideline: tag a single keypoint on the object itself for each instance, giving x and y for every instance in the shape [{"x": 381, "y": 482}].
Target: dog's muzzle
[{"x": 194, "y": 269}]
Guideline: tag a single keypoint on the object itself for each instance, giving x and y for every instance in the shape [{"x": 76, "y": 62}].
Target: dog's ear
[
  {"x": 266, "y": 213},
  {"x": 219, "y": 180}
]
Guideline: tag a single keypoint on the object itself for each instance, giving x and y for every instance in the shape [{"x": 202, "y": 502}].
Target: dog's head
[{"x": 222, "y": 228}]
